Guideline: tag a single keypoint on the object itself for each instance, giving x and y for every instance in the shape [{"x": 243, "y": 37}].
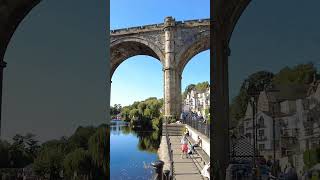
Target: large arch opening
[
  {"x": 136, "y": 103},
  {"x": 195, "y": 92},
  {"x": 275, "y": 59},
  {"x": 54, "y": 86}
]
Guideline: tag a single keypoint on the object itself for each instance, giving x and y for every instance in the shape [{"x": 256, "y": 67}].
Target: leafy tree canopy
[{"x": 259, "y": 81}]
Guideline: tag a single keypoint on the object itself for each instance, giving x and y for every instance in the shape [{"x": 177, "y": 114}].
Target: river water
[{"x": 131, "y": 152}]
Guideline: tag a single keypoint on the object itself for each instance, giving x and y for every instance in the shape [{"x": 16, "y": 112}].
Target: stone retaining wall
[
  {"x": 205, "y": 140},
  {"x": 163, "y": 153}
]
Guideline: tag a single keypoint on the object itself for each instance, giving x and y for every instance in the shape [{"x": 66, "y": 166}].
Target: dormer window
[{"x": 261, "y": 121}]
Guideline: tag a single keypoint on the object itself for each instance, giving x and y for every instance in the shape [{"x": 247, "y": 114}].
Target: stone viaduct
[
  {"x": 173, "y": 43},
  {"x": 225, "y": 14}
]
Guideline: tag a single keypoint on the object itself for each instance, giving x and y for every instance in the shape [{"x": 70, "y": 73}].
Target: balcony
[
  {"x": 290, "y": 132},
  {"x": 261, "y": 125},
  {"x": 248, "y": 128},
  {"x": 262, "y": 138},
  {"x": 308, "y": 132}
]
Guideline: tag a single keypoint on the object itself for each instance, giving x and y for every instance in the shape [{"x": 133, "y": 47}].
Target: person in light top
[
  {"x": 197, "y": 144},
  {"x": 184, "y": 146}
]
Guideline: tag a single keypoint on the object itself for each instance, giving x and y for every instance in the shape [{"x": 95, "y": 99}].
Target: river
[{"x": 131, "y": 152}]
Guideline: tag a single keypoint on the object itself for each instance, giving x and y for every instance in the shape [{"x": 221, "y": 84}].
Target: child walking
[{"x": 184, "y": 146}]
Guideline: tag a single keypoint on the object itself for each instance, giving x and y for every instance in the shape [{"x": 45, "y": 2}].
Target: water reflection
[{"x": 132, "y": 150}]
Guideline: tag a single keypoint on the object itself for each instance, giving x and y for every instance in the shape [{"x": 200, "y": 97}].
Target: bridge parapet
[
  {"x": 137, "y": 29},
  {"x": 198, "y": 22},
  {"x": 159, "y": 27}
]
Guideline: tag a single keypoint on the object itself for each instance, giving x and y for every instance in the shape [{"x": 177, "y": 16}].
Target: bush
[
  {"x": 311, "y": 157},
  {"x": 78, "y": 161}
]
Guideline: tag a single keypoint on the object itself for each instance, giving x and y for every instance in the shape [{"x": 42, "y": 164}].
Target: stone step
[
  {"x": 172, "y": 134},
  {"x": 175, "y": 129},
  {"x": 171, "y": 130}
]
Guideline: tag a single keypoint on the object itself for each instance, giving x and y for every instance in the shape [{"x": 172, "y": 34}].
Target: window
[
  {"x": 261, "y": 121},
  {"x": 248, "y": 135},
  {"x": 261, "y": 146},
  {"x": 261, "y": 132}
]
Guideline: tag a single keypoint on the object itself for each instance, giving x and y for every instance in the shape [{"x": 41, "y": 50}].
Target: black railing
[
  {"x": 170, "y": 174},
  {"x": 200, "y": 125},
  {"x": 161, "y": 174}
]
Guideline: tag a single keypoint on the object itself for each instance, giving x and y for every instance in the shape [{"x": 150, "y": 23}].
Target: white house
[{"x": 197, "y": 101}]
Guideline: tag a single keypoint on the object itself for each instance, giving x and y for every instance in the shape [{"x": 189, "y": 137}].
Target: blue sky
[
  {"x": 270, "y": 41},
  {"x": 141, "y": 77}
]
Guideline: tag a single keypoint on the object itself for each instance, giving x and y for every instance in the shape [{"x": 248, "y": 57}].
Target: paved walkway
[{"x": 186, "y": 168}]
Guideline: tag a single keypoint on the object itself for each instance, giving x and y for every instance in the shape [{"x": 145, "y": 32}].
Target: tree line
[
  {"x": 144, "y": 113},
  {"x": 199, "y": 87},
  {"x": 115, "y": 110},
  {"x": 82, "y": 155},
  {"x": 299, "y": 75}
]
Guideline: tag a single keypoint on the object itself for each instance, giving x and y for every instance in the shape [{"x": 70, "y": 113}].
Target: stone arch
[
  {"x": 198, "y": 44},
  {"x": 11, "y": 15},
  {"x": 235, "y": 15},
  {"x": 124, "y": 48}
]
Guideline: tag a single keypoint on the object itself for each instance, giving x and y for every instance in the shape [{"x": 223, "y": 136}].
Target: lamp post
[
  {"x": 253, "y": 92},
  {"x": 233, "y": 142},
  {"x": 273, "y": 129}
]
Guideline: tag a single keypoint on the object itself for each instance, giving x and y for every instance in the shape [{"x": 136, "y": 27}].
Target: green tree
[
  {"x": 207, "y": 114},
  {"x": 134, "y": 113},
  {"x": 300, "y": 74},
  {"x": 258, "y": 82},
  {"x": 147, "y": 112},
  {"x": 125, "y": 113},
  {"x": 81, "y": 136},
  {"x": 99, "y": 150},
  {"x": 19, "y": 154},
  {"x": 311, "y": 157},
  {"x": 32, "y": 144},
  {"x": 78, "y": 161},
  {"x": 4, "y": 154},
  {"x": 201, "y": 87},
  {"x": 141, "y": 107},
  {"x": 49, "y": 162},
  {"x": 135, "y": 105}
]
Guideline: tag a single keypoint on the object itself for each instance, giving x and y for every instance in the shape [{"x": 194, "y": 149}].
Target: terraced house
[{"x": 294, "y": 110}]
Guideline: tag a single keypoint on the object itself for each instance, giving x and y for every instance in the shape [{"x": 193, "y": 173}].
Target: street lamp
[
  {"x": 273, "y": 112},
  {"x": 233, "y": 142},
  {"x": 253, "y": 92}
]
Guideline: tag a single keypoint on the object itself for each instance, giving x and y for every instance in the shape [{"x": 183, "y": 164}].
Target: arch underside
[
  {"x": 236, "y": 12},
  {"x": 124, "y": 50},
  {"x": 12, "y": 13},
  {"x": 192, "y": 50}
]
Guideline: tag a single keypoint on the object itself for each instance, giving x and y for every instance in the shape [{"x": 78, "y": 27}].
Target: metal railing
[
  {"x": 170, "y": 153},
  {"x": 161, "y": 174},
  {"x": 200, "y": 125}
]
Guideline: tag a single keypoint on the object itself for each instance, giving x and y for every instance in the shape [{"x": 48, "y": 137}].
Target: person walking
[
  {"x": 197, "y": 144},
  {"x": 186, "y": 132},
  {"x": 181, "y": 117},
  {"x": 184, "y": 146}
]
